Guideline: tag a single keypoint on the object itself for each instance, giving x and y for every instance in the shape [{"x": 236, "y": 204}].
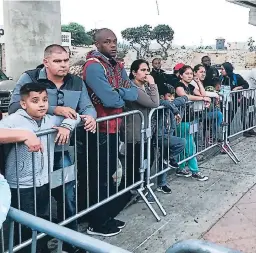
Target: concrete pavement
[{"x": 195, "y": 209}]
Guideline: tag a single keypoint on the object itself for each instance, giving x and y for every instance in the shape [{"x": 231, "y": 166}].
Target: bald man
[
  {"x": 107, "y": 81},
  {"x": 67, "y": 94}
]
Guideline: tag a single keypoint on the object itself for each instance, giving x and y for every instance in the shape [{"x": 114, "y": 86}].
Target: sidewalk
[
  {"x": 200, "y": 209},
  {"x": 237, "y": 228}
]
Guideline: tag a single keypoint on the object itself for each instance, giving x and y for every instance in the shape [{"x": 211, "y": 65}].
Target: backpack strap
[
  {"x": 93, "y": 60},
  {"x": 235, "y": 79}
]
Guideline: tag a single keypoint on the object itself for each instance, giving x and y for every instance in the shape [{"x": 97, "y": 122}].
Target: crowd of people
[{"x": 49, "y": 96}]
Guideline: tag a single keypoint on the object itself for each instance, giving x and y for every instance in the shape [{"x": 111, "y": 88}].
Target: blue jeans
[
  {"x": 57, "y": 193},
  {"x": 176, "y": 146},
  {"x": 215, "y": 115}
]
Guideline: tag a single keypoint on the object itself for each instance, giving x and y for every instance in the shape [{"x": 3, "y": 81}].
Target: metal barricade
[
  {"x": 66, "y": 185},
  {"x": 198, "y": 132},
  {"x": 63, "y": 235},
  {"x": 239, "y": 108},
  {"x": 197, "y": 246}
]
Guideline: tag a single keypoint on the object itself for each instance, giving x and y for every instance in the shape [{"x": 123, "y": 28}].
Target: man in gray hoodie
[{"x": 27, "y": 171}]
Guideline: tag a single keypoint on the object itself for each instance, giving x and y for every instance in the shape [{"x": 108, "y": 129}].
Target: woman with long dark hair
[
  {"x": 148, "y": 98},
  {"x": 185, "y": 88}
]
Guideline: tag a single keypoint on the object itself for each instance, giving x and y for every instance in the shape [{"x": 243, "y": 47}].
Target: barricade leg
[{"x": 226, "y": 126}]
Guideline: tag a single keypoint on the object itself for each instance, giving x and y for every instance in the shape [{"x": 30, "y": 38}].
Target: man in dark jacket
[
  {"x": 159, "y": 75},
  {"x": 174, "y": 78},
  {"x": 211, "y": 72}
]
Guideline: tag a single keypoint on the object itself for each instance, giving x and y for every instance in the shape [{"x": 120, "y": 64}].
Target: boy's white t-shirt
[{"x": 5, "y": 199}]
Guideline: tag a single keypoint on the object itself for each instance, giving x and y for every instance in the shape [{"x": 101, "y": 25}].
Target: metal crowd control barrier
[
  {"x": 240, "y": 109},
  {"x": 200, "y": 127},
  {"x": 62, "y": 234},
  {"x": 67, "y": 185},
  {"x": 197, "y": 246}
]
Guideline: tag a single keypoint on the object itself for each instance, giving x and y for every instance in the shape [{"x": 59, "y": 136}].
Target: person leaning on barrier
[
  {"x": 235, "y": 82},
  {"x": 109, "y": 88},
  {"x": 33, "y": 169},
  {"x": 148, "y": 98},
  {"x": 167, "y": 123},
  {"x": 67, "y": 95},
  {"x": 189, "y": 123},
  {"x": 213, "y": 113}
]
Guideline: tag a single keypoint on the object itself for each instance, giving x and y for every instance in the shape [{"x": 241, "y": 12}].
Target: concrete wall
[{"x": 29, "y": 27}]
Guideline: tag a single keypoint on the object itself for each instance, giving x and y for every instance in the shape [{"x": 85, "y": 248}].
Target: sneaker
[
  {"x": 118, "y": 223},
  {"x": 106, "y": 231},
  {"x": 165, "y": 189},
  {"x": 149, "y": 197},
  {"x": 71, "y": 249},
  {"x": 199, "y": 176},
  {"x": 183, "y": 173},
  {"x": 173, "y": 164}
]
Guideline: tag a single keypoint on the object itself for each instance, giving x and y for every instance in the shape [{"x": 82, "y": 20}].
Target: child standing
[
  {"x": 27, "y": 168},
  {"x": 172, "y": 146}
]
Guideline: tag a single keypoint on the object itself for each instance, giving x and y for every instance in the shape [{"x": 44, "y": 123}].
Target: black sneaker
[
  {"x": 106, "y": 231},
  {"x": 173, "y": 164},
  {"x": 199, "y": 176},
  {"x": 183, "y": 173},
  {"x": 117, "y": 223},
  {"x": 165, "y": 189}
]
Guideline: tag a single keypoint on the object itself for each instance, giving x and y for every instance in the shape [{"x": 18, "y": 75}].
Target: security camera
[{"x": 1, "y": 32}]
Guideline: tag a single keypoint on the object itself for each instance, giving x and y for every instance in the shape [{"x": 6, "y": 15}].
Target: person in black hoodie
[
  {"x": 236, "y": 82},
  {"x": 211, "y": 72}
]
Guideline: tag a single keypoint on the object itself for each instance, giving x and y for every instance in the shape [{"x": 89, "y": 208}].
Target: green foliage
[
  {"x": 78, "y": 34},
  {"x": 163, "y": 34}
]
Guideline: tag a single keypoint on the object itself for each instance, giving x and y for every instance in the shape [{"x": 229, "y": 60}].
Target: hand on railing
[{"x": 33, "y": 143}]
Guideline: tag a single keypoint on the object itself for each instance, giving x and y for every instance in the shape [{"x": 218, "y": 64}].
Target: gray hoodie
[{"x": 20, "y": 163}]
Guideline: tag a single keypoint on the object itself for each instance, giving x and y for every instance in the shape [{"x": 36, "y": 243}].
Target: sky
[{"x": 193, "y": 21}]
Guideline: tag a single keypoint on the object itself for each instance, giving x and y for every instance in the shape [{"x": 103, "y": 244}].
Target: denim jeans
[
  {"x": 57, "y": 193},
  {"x": 215, "y": 115},
  {"x": 27, "y": 205},
  {"x": 176, "y": 146}
]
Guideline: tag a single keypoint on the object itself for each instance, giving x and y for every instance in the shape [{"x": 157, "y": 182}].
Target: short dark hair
[
  {"x": 167, "y": 88},
  {"x": 53, "y": 48},
  {"x": 135, "y": 67},
  {"x": 197, "y": 67},
  {"x": 32, "y": 87},
  {"x": 215, "y": 81},
  {"x": 97, "y": 33},
  {"x": 206, "y": 56},
  {"x": 155, "y": 59},
  {"x": 184, "y": 68}
]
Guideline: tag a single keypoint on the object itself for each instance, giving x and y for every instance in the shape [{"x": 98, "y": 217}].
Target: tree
[
  {"x": 139, "y": 39},
  {"x": 163, "y": 34},
  {"x": 251, "y": 44},
  {"x": 78, "y": 34},
  {"x": 208, "y": 47},
  {"x": 183, "y": 47}
]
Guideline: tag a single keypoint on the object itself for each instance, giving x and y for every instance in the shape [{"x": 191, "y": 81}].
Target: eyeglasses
[{"x": 60, "y": 101}]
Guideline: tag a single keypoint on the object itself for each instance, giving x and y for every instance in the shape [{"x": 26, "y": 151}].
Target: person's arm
[
  {"x": 201, "y": 89},
  {"x": 15, "y": 99},
  {"x": 169, "y": 105},
  {"x": 150, "y": 99},
  {"x": 241, "y": 83},
  {"x": 131, "y": 93},
  {"x": 85, "y": 106},
  {"x": 197, "y": 97},
  {"x": 97, "y": 81},
  {"x": 66, "y": 122}
]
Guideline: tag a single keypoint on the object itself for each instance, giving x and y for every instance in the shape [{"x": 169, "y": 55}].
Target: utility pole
[{"x": 157, "y": 7}]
